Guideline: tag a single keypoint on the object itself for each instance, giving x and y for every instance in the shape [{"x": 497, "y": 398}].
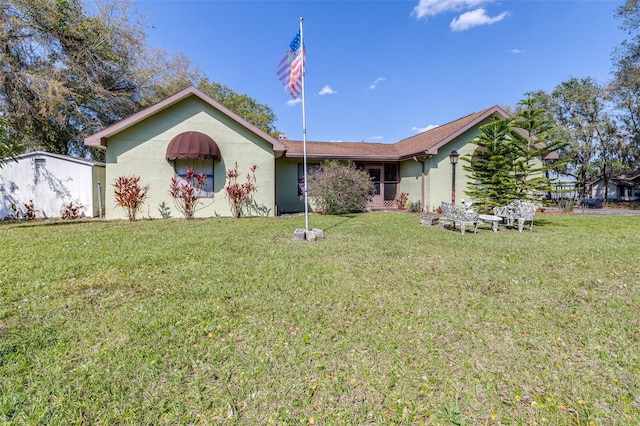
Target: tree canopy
[
  {"x": 625, "y": 87},
  {"x": 67, "y": 73},
  {"x": 582, "y": 112},
  {"x": 535, "y": 140},
  {"x": 260, "y": 115},
  {"x": 8, "y": 148}
]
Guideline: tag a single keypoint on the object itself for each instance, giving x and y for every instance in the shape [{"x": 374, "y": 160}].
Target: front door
[{"x": 375, "y": 172}]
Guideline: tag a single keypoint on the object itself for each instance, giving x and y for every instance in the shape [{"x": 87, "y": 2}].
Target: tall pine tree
[
  {"x": 491, "y": 166},
  {"x": 514, "y": 157},
  {"x": 535, "y": 148}
]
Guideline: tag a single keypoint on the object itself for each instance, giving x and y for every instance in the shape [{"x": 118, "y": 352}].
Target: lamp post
[{"x": 453, "y": 158}]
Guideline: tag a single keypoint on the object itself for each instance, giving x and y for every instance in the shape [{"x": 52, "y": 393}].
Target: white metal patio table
[{"x": 495, "y": 220}]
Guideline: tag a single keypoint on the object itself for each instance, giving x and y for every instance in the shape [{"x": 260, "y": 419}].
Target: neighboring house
[
  {"x": 190, "y": 129},
  {"x": 622, "y": 187},
  {"x": 51, "y": 181}
]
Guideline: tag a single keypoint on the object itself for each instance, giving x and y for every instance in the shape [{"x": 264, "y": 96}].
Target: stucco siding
[
  {"x": 141, "y": 151},
  {"x": 440, "y": 180},
  {"x": 411, "y": 179}
]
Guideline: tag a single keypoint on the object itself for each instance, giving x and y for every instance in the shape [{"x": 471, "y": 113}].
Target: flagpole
[{"x": 304, "y": 136}]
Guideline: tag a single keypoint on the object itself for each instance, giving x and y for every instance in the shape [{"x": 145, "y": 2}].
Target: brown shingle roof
[
  {"x": 345, "y": 150},
  {"x": 424, "y": 143},
  {"x": 430, "y": 141}
]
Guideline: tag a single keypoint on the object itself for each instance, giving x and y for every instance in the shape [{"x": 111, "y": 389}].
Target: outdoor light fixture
[{"x": 453, "y": 157}]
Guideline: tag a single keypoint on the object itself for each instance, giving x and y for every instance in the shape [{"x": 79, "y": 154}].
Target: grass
[{"x": 225, "y": 321}]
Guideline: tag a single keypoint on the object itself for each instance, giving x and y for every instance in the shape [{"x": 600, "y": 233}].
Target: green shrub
[
  {"x": 340, "y": 188},
  {"x": 414, "y": 206}
]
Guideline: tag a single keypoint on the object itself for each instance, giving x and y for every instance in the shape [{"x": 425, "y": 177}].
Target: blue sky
[{"x": 382, "y": 71}]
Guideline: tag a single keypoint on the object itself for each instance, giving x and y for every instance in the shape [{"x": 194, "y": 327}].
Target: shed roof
[{"x": 70, "y": 158}]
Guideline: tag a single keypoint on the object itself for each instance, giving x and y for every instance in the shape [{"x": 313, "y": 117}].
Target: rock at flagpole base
[{"x": 314, "y": 234}]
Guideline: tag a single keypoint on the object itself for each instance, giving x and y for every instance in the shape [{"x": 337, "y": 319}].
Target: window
[
  {"x": 200, "y": 166},
  {"x": 311, "y": 169}
]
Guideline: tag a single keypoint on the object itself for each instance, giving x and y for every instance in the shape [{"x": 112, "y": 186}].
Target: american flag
[{"x": 291, "y": 66}]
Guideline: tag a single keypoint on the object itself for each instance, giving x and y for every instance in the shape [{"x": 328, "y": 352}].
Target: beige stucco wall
[
  {"x": 141, "y": 151},
  {"x": 441, "y": 173},
  {"x": 437, "y": 174},
  {"x": 410, "y": 173},
  {"x": 288, "y": 200}
]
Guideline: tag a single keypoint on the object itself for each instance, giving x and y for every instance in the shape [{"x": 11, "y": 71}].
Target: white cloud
[
  {"x": 293, "y": 102},
  {"x": 474, "y": 18},
  {"x": 326, "y": 90},
  {"x": 436, "y": 7},
  {"x": 376, "y": 82},
  {"x": 376, "y": 138},
  {"x": 516, "y": 51},
  {"x": 472, "y": 12},
  {"x": 424, "y": 129}
]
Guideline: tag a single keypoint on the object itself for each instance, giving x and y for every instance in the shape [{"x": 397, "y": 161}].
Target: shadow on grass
[
  {"x": 502, "y": 227},
  {"x": 542, "y": 222},
  {"x": 10, "y": 224},
  {"x": 344, "y": 218}
]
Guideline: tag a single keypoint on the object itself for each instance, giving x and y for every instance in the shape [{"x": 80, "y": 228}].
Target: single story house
[
  {"x": 190, "y": 129},
  {"x": 52, "y": 181},
  {"x": 622, "y": 187}
]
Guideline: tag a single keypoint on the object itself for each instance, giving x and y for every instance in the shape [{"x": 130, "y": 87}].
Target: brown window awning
[{"x": 192, "y": 145}]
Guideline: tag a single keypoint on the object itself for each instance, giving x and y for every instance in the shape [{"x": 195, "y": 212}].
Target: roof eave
[
  {"x": 489, "y": 112},
  {"x": 64, "y": 157},
  {"x": 99, "y": 140},
  {"x": 354, "y": 157},
  {"x": 433, "y": 150}
]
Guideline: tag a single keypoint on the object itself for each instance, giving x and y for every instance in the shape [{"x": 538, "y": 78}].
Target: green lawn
[{"x": 225, "y": 321}]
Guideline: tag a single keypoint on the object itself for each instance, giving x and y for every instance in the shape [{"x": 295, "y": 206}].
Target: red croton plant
[
  {"x": 130, "y": 195},
  {"x": 240, "y": 194},
  {"x": 186, "y": 192}
]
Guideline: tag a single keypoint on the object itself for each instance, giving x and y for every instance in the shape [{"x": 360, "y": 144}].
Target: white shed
[{"x": 52, "y": 181}]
